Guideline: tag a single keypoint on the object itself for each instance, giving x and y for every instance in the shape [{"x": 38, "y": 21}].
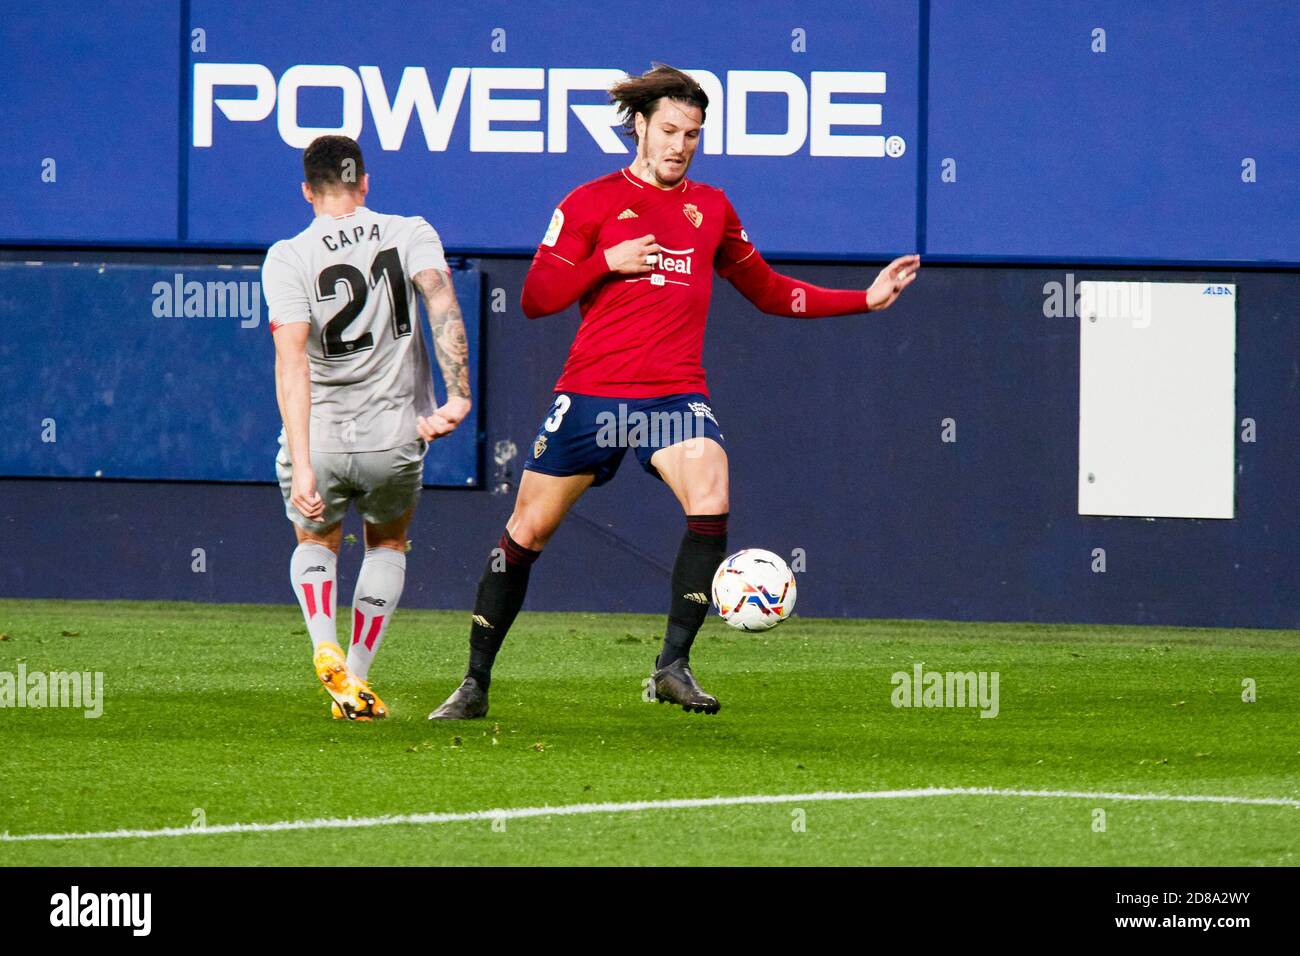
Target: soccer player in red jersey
[{"x": 637, "y": 249}]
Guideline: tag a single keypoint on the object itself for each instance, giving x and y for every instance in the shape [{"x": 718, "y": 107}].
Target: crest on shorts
[
  {"x": 539, "y": 446},
  {"x": 693, "y": 214}
]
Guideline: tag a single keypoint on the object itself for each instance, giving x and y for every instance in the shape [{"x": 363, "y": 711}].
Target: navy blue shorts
[{"x": 586, "y": 434}]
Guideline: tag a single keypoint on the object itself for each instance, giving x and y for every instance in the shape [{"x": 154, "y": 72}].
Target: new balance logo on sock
[
  {"x": 628, "y": 214},
  {"x": 698, "y": 597},
  {"x": 319, "y": 567},
  {"x": 377, "y": 602},
  {"x": 481, "y": 621}
]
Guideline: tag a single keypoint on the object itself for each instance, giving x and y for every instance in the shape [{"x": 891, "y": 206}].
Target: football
[{"x": 754, "y": 590}]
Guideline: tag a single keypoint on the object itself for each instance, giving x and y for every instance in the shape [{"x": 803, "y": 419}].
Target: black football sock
[
  {"x": 500, "y": 596},
  {"x": 701, "y": 551}
]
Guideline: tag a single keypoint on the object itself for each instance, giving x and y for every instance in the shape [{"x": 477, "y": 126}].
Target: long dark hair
[{"x": 641, "y": 94}]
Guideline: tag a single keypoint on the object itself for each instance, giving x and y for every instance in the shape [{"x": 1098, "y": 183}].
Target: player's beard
[
  {"x": 665, "y": 173},
  {"x": 672, "y": 173}
]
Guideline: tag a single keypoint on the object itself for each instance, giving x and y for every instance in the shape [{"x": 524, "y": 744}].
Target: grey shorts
[{"x": 384, "y": 484}]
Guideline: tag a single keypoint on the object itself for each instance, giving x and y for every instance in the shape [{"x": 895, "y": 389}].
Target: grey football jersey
[{"x": 349, "y": 277}]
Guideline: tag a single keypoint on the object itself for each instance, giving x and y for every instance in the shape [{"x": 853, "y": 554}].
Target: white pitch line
[{"x": 576, "y": 809}]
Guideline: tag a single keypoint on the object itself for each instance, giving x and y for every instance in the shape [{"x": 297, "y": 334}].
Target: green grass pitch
[{"x": 212, "y": 712}]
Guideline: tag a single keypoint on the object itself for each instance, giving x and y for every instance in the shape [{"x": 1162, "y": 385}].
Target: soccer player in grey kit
[{"x": 356, "y": 396}]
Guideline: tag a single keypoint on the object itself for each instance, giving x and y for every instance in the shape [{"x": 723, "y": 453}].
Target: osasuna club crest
[
  {"x": 539, "y": 446},
  {"x": 693, "y": 214}
]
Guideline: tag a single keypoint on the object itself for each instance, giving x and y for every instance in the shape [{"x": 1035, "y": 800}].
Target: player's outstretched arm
[
  {"x": 450, "y": 348},
  {"x": 779, "y": 294},
  {"x": 293, "y": 393}
]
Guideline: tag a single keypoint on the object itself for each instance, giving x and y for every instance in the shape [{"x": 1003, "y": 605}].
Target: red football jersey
[{"x": 642, "y": 336}]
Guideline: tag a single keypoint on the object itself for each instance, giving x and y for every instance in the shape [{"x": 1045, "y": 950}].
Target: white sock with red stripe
[
  {"x": 312, "y": 571},
  {"x": 379, "y": 586}
]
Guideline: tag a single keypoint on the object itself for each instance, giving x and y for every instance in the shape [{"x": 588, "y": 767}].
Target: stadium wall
[
  {"x": 834, "y": 434},
  {"x": 1014, "y": 144}
]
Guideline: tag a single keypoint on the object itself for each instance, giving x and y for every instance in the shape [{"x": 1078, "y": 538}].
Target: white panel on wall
[{"x": 1157, "y": 382}]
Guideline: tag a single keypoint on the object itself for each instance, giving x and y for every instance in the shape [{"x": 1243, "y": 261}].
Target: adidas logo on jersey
[
  {"x": 628, "y": 214},
  {"x": 697, "y": 596},
  {"x": 315, "y": 567}
]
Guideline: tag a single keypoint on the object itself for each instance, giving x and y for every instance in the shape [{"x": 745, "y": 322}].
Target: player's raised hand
[
  {"x": 444, "y": 419},
  {"x": 893, "y": 279},
  {"x": 632, "y": 256},
  {"x": 304, "y": 495}
]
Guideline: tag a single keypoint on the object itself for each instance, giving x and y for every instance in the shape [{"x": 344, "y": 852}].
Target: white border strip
[{"x": 635, "y": 806}]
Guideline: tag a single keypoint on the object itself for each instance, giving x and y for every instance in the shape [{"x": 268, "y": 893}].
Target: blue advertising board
[
  {"x": 141, "y": 371},
  {"x": 90, "y": 122},
  {"x": 482, "y": 116},
  {"x": 1111, "y": 130},
  {"x": 1151, "y": 133}
]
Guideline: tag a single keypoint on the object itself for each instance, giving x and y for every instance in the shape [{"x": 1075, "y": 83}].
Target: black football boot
[
  {"x": 467, "y": 702},
  {"x": 675, "y": 684}
]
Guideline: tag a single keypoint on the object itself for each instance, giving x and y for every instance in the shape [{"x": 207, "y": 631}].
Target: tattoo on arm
[
  {"x": 452, "y": 350},
  {"x": 450, "y": 346}
]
